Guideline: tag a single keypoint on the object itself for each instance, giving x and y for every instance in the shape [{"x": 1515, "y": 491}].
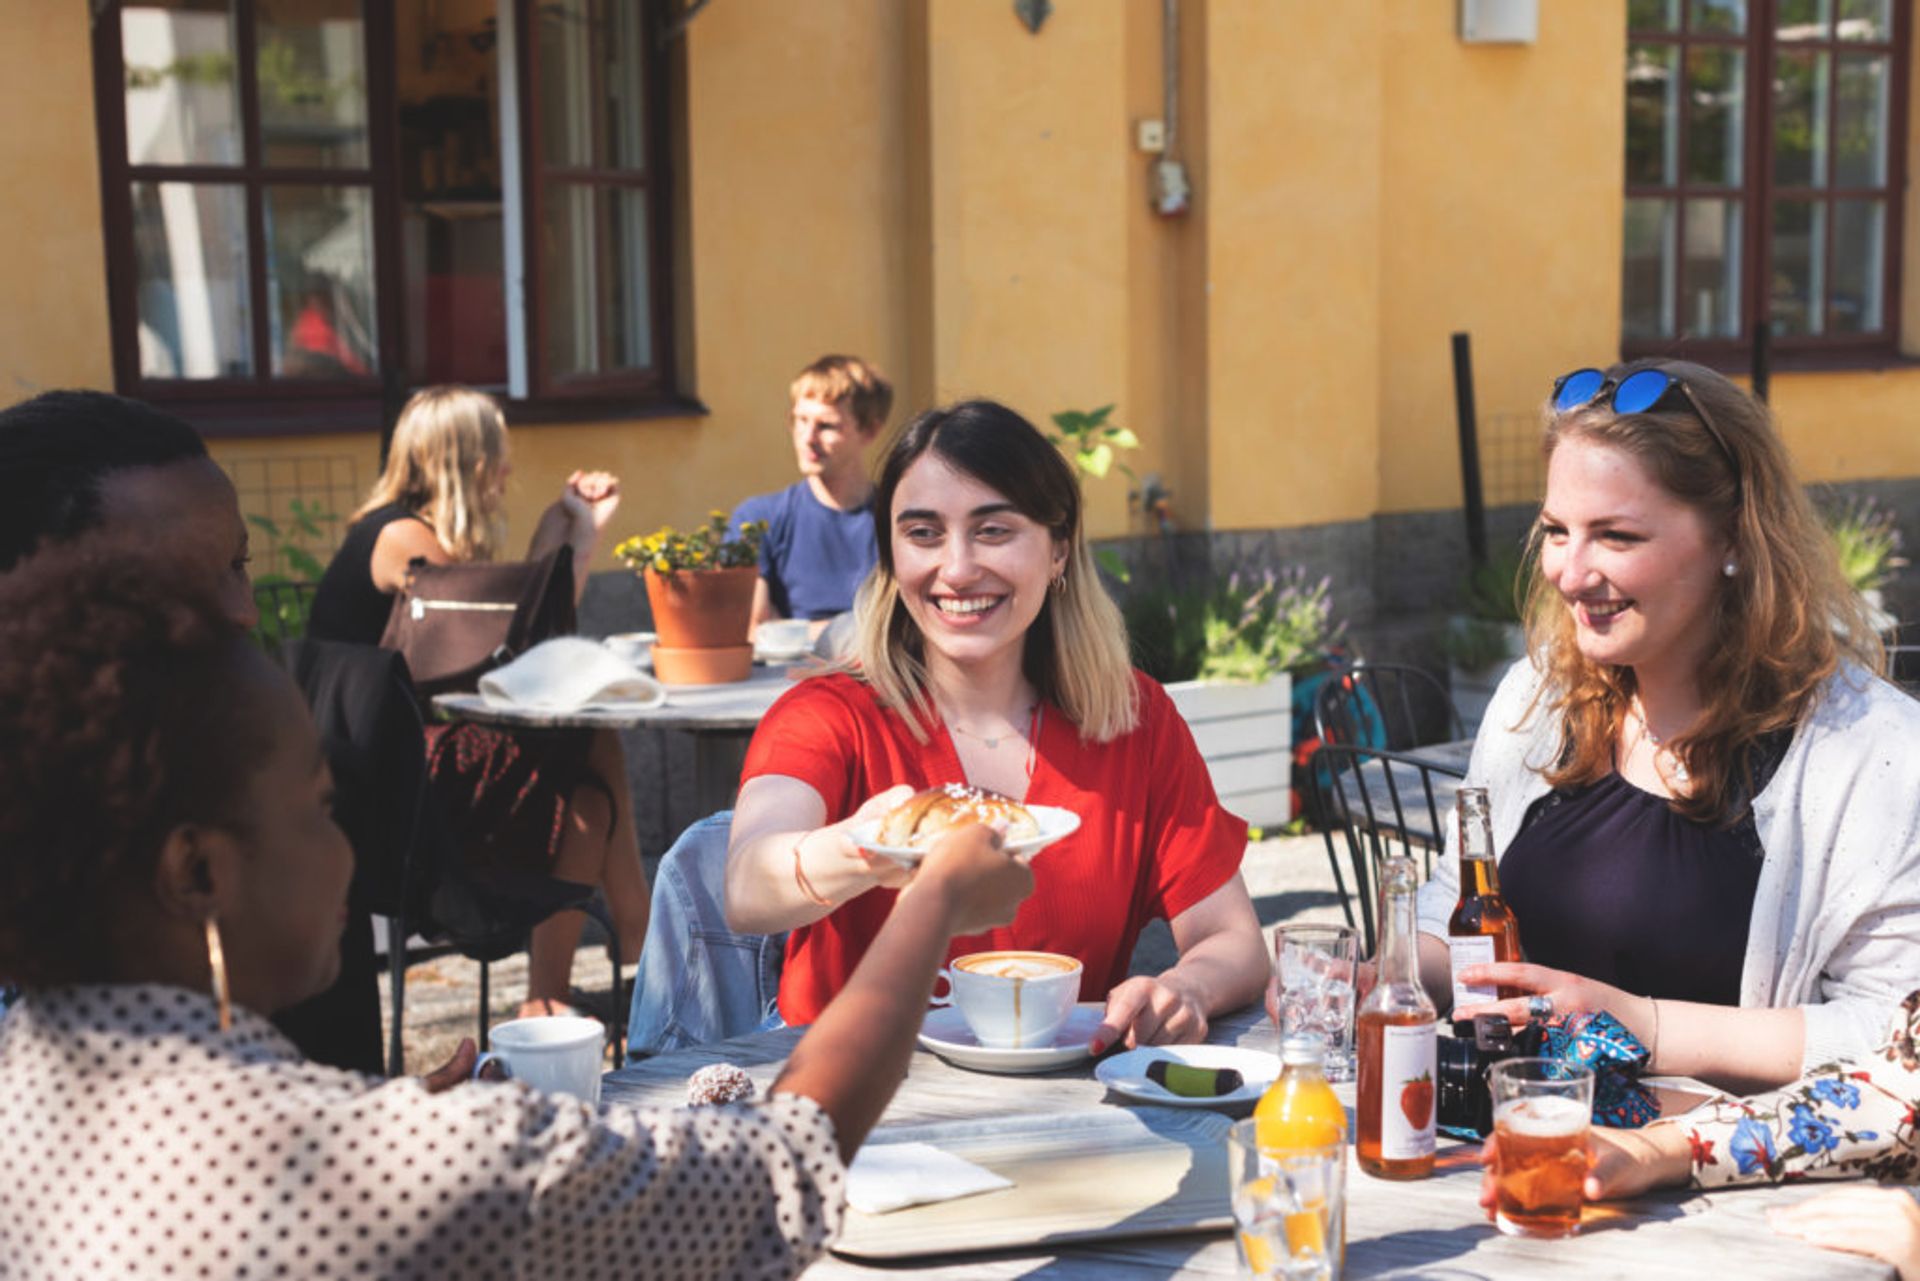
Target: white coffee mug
[
  {"x": 784, "y": 635},
  {"x": 557, "y": 1054},
  {"x": 1012, "y": 1000},
  {"x": 632, "y": 647}
]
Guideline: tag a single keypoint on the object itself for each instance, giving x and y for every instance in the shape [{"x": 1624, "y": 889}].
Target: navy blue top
[
  {"x": 1607, "y": 881},
  {"x": 813, "y": 558}
]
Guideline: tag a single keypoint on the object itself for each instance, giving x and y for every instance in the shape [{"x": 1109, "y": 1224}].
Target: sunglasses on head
[{"x": 1640, "y": 392}]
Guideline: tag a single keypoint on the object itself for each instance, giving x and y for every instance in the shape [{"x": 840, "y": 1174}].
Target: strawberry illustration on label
[{"x": 1416, "y": 1100}]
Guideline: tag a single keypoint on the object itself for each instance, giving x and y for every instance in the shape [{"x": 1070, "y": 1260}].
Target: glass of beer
[
  {"x": 1289, "y": 1206},
  {"x": 1542, "y": 1111}
]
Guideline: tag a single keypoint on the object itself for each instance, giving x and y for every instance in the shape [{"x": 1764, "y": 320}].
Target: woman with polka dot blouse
[{"x": 164, "y": 818}]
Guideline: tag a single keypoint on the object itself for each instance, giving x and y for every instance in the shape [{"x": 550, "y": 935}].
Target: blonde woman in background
[{"x": 557, "y": 803}]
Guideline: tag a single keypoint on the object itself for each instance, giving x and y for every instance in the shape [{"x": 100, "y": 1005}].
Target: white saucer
[
  {"x": 1127, "y": 1073},
  {"x": 947, "y": 1034},
  {"x": 1054, "y": 823},
  {"x": 774, "y": 657}
]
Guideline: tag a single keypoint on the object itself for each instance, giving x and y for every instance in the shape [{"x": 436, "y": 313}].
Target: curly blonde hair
[
  {"x": 1783, "y": 624},
  {"x": 449, "y": 448}
]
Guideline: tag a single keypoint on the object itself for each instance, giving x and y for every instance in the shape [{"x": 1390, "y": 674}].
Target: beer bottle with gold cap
[{"x": 1482, "y": 928}]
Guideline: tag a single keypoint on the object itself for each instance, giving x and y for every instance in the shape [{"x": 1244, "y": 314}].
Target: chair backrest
[
  {"x": 1384, "y": 705},
  {"x": 1378, "y": 803},
  {"x": 699, "y": 981},
  {"x": 1903, "y": 658}
]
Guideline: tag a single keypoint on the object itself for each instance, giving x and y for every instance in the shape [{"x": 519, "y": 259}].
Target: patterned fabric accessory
[{"x": 1603, "y": 1043}]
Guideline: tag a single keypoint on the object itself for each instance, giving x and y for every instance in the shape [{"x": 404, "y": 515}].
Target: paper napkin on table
[
  {"x": 893, "y": 1176},
  {"x": 570, "y": 673}
]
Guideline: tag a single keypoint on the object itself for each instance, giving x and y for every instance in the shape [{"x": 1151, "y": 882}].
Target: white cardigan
[{"x": 1836, "y": 913}]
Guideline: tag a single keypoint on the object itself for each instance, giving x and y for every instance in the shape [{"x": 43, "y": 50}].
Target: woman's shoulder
[{"x": 1857, "y": 710}]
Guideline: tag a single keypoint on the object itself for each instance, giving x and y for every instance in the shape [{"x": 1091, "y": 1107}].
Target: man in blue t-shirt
[{"x": 820, "y": 537}]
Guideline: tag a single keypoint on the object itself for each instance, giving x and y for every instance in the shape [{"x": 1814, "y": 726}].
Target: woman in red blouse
[{"x": 989, "y": 653}]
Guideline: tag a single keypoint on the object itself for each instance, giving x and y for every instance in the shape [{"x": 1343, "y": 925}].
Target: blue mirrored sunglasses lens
[
  {"x": 1578, "y": 389},
  {"x": 1640, "y": 391}
]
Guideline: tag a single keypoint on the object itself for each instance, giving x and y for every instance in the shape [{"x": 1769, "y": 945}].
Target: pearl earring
[{"x": 1729, "y": 569}]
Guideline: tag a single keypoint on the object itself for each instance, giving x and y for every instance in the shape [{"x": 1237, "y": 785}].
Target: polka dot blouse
[{"x": 139, "y": 1140}]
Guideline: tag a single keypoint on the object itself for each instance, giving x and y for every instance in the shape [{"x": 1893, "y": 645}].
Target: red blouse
[{"x": 1153, "y": 839}]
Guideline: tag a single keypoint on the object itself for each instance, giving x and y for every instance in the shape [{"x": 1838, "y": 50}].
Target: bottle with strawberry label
[{"x": 1395, "y": 1043}]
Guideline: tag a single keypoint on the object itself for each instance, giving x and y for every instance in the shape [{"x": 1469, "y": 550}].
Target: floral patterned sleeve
[{"x": 1852, "y": 1119}]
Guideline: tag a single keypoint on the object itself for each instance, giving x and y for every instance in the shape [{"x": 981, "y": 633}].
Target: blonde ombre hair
[
  {"x": 1782, "y": 624},
  {"x": 1076, "y": 649},
  {"x": 448, "y": 451}
]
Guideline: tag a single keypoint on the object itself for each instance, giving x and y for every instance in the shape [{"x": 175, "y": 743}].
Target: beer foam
[{"x": 1541, "y": 1118}]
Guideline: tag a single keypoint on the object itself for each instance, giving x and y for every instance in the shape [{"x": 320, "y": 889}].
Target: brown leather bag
[{"x": 456, "y": 623}]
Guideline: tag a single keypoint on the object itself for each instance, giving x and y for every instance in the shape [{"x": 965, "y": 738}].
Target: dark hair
[
  {"x": 119, "y": 721},
  {"x": 1076, "y": 650},
  {"x": 56, "y": 448}
]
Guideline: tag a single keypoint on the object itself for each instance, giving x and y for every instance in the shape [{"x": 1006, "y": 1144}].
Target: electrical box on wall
[{"x": 1499, "y": 21}]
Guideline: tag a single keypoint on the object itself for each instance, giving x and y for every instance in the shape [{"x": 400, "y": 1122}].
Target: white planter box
[{"x": 1245, "y": 735}]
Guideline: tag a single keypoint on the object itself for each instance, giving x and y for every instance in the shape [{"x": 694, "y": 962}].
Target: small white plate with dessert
[{"x": 905, "y": 833}]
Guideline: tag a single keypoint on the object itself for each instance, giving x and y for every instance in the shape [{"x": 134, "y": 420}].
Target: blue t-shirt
[{"x": 813, "y": 557}]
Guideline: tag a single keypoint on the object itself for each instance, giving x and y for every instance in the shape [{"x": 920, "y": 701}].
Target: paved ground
[{"x": 1288, "y": 877}]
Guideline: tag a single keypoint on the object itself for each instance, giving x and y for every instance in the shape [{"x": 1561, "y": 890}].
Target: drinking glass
[
  {"x": 1312, "y": 988},
  {"x": 1542, "y": 1115},
  {"x": 1289, "y": 1206}
]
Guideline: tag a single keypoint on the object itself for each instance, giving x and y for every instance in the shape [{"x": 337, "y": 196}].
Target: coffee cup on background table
[
  {"x": 557, "y": 1054},
  {"x": 1012, "y": 1000}
]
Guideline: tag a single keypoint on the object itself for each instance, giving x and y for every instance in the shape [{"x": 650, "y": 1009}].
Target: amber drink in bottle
[
  {"x": 1482, "y": 928},
  {"x": 1395, "y": 1043}
]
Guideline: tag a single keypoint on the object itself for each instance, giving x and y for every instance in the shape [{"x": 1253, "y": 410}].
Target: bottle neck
[
  {"x": 1479, "y": 877},
  {"x": 1399, "y": 962}
]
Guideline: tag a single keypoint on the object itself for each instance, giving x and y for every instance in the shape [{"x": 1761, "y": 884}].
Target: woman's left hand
[
  {"x": 1146, "y": 1010},
  {"x": 1880, "y": 1222},
  {"x": 592, "y": 495},
  {"x": 1569, "y": 993}
]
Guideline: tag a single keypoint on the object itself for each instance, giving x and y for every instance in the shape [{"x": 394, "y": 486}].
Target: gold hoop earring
[
  {"x": 1059, "y": 584},
  {"x": 217, "y": 963}
]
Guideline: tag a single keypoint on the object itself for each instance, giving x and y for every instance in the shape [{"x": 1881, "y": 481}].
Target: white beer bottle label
[
  {"x": 1407, "y": 1090},
  {"x": 1473, "y": 949}
]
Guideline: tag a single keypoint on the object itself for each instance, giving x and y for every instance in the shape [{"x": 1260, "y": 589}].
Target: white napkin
[
  {"x": 893, "y": 1176},
  {"x": 570, "y": 673}
]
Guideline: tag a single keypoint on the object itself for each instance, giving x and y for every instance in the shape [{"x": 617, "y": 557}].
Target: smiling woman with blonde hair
[{"x": 1706, "y": 803}]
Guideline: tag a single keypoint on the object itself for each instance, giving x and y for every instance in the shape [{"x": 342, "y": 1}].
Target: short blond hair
[
  {"x": 848, "y": 381},
  {"x": 1076, "y": 650},
  {"x": 448, "y": 445}
]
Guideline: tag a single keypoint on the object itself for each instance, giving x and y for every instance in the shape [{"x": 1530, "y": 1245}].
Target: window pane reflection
[
  {"x": 594, "y": 272},
  {"x": 1865, "y": 20},
  {"x": 182, "y": 100},
  {"x": 1653, "y": 15},
  {"x": 1725, "y": 17},
  {"x": 1798, "y": 269},
  {"x": 1800, "y": 119},
  {"x": 312, "y": 75},
  {"x": 190, "y": 266},
  {"x": 1860, "y": 121},
  {"x": 1716, "y": 108},
  {"x": 320, "y": 290},
  {"x": 1646, "y": 283},
  {"x": 1710, "y": 284},
  {"x": 593, "y": 84},
  {"x": 1804, "y": 19},
  {"x": 1653, "y": 132},
  {"x": 1859, "y": 261}
]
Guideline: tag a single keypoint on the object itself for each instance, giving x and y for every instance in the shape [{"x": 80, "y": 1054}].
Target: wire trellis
[{"x": 279, "y": 490}]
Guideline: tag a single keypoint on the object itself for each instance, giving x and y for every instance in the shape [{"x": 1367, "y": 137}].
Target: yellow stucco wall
[{"x": 926, "y": 183}]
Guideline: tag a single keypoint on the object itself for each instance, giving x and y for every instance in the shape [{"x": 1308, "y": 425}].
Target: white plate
[
  {"x": 1054, "y": 823},
  {"x": 1127, "y": 1073},
  {"x": 947, "y": 1034}
]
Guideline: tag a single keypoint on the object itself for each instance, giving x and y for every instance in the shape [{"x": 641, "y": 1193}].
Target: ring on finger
[{"x": 1539, "y": 1006}]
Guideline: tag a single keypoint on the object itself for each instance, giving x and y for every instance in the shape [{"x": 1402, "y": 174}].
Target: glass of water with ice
[
  {"x": 1312, "y": 988},
  {"x": 1289, "y": 1206}
]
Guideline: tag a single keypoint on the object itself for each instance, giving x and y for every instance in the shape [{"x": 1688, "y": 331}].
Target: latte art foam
[{"x": 1016, "y": 967}]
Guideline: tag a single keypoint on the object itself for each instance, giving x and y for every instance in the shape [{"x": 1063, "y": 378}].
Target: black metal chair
[
  {"x": 1384, "y": 705},
  {"x": 1903, "y": 658},
  {"x": 1378, "y": 803}
]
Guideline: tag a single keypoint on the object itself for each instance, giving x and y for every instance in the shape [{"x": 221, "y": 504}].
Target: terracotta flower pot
[
  {"x": 719, "y": 665},
  {"x": 704, "y": 609}
]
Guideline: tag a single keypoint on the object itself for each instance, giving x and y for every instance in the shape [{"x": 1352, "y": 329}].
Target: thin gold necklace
[{"x": 1678, "y": 766}]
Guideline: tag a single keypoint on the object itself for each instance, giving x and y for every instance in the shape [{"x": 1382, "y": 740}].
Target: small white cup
[
  {"x": 635, "y": 648},
  {"x": 1012, "y": 1000},
  {"x": 557, "y": 1054},
  {"x": 784, "y": 635}
]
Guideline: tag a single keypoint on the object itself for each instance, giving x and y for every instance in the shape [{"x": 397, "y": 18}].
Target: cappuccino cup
[
  {"x": 557, "y": 1054},
  {"x": 1012, "y": 1000}
]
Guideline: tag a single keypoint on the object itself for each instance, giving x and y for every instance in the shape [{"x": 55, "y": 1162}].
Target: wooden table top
[{"x": 1431, "y": 1228}]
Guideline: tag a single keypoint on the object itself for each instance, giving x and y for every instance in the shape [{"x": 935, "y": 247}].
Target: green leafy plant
[
  {"x": 1475, "y": 644},
  {"x": 1094, "y": 446},
  {"x": 1491, "y": 592},
  {"x": 1240, "y": 630},
  {"x": 1868, "y": 541},
  {"x": 288, "y": 545},
  {"x": 668, "y": 550}
]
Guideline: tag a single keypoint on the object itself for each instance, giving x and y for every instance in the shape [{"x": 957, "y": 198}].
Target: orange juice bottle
[{"x": 1300, "y": 1110}]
